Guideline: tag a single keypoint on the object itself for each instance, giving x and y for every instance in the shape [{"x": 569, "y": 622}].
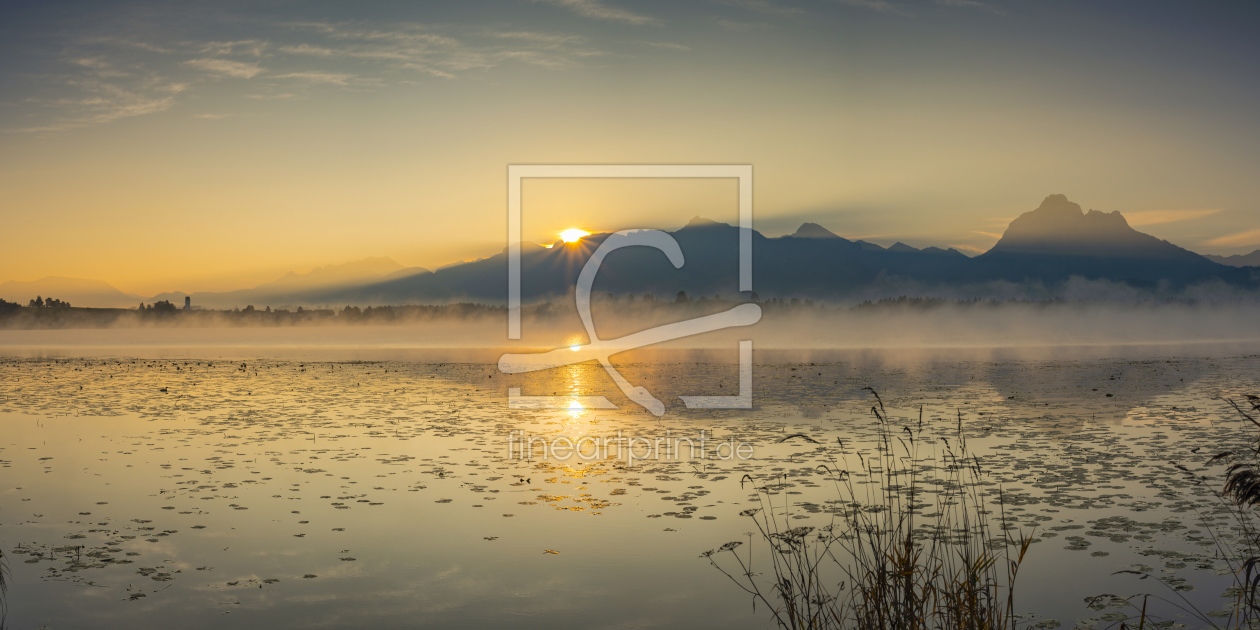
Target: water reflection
[{"x": 215, "y": 486}]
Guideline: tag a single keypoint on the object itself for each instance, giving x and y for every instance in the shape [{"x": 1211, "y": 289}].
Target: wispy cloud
[
  {"x": 115, "y": 103},
  {"x": 226, "y": 67},
  {"x": 595, "y": 9},
  {"x": 125, "y": 43},
  {"x": 551, "y": 39},
  {"x": 307, "y": 49},
  {"x": 104, "y": 101},
  {"x": 992, "y": 235},
  {"x": 209, "y": 116},
  {"x": 881, "y": 6},
  {"x": 416, "y": 47},
  {"x": 761, "y": 6},
  {"x": 101, "y": 68},
  {"x": 251, "y": 47},
  {"x": 1240, "y": 239},
  {"x": 667, "y": 45},
  {"x": 96, "y": 63},
  {"x": 265, "y": 97},
  {"x": 334, "y": 78},
  {"x": 741, "y": 27},
  {"x": 1155, "y": 217},
  {"x": 971, "y": 4},
  {"x": 104, "y": 78}
]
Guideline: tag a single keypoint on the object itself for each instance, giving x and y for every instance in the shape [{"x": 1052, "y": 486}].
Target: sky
[{"x": 213, "y": 146}]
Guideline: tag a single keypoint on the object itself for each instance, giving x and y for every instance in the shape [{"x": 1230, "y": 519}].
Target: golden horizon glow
[
  {"x": 573, "y": 235},
  {"x": 245, "y": 148}
]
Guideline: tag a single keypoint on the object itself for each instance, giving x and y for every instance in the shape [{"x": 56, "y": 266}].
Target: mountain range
[
  {"x": 1237, "y": 260},
  {"x": 1042, "y": 249},
  {"x": 76, "y": 291},
  {"x": 317, "y": 287}
]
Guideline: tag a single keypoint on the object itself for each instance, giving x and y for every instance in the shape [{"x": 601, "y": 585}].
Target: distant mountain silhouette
[
  {"x": 1042, "y": 248},
  {"x": 323, "y": 286},
  {"x": 356, "y": 272},
  {"x": 1058, "y": 240},
  {"x": 1244, "y": 260},
  {"x": 1047, "y": 246},
  {"x": 76, "y": 291},
  {"x": 813, "y": 230},
  {"x": 1059, "y": 227}
]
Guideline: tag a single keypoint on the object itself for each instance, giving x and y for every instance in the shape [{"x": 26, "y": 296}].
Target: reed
[
  {"x": 1242, "y": 491},
  {"x": 4, "y": 590},
  {"x": 911, "y": 544}
]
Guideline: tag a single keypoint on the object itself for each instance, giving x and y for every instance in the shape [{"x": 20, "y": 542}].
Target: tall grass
[
  {"x": 1242, "y": 491},
  {"x": 910, "y": 544},
  {"x": 4, "y": 590}
]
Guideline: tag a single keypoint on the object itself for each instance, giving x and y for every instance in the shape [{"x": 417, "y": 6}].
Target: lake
[{"x": 256, "y": 487}]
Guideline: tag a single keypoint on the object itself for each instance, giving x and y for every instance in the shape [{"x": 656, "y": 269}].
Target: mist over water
[{"x": 1025, "y": 328}]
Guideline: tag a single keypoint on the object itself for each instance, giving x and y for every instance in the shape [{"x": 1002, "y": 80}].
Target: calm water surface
[{"x": 214, "y": 490}]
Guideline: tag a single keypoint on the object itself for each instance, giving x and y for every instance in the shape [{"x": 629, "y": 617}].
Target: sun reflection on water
[{"x": 577, "y": 387}]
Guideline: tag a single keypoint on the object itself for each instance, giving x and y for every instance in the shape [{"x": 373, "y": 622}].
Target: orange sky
[{"x": 162, "y": 149}]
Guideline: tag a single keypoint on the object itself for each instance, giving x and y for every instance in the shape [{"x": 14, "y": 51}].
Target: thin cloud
[
  {"x": 106, "y": 102},
  {"x": 414, "y": 47},
  {"x": 877, "y": 5},
  {"x": 307, "y": 49},
  {"x": 741, "y": 27},
  {"x": 761, "y": 6},
  {"x": 1155, "y": 217},
  {"x": 211, "y": 116},
  {"x": 226, "y": 67},
  {"x": 667, "y": 45},
  {"x": 96, "y": 63},
  {"x": 100, "y": 67},
  {"x": 116, "y": 102},
  {"x": 263, "y": 97},
  {"x": 420, "y": 67},
  {"x": 992, "y": 235},
  {"x": 125, "y": 43},
  {"x": 597, "y": 10},
  {"x": 252, "y": 47},
  {"x": 971, "y": 4},
  {"x": 552, "y": 39},
  {"x": 1241, "y": 239},
  {"x": 322, "y": 27},
  {"x": 334, "y": 78},
  {"x": 107, "y": 80}
]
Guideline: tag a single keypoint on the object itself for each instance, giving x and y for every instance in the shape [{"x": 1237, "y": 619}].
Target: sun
[{"x": 572, "y": 235}]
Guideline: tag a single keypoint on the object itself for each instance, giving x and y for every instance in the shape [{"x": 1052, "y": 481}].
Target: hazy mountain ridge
[
  {"x": 1043, "y": 249},
  {"x": 315, "y": 287},
  {"x": 353, "y": 272},
  {"x": 1237, "y": 260},
  {"x": 1060, "y": 227},
  {"x": 76, "y": 291},
  {"x": 1044, "y": 253}
]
